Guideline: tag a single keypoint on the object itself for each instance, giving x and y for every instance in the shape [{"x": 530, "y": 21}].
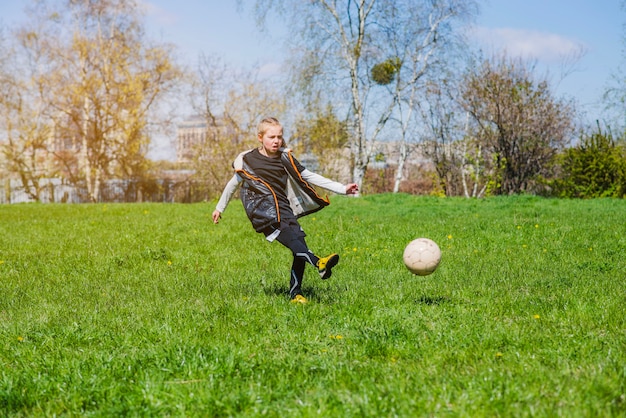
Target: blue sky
[
  {"x": 547, "y": 31},
  {"x": 551, "y": 32}
]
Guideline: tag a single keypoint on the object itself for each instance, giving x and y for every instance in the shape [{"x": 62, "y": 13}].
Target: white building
[{"x": 190, "y": 134}]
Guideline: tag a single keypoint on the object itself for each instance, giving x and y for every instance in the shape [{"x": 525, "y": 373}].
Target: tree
[
  {"x": 596, "y": 167},
  {"x": 442, "y": 135},
  {"x": 322, "y": 139},
  {"x": 345, "y": 48},
  {"x": 421, "y": 56},
  {"x": 517, "y": 120},
  {"x": 615, "y": 94},
  {"x": 24, "y": 112},
  {"x": 458, "y": 158},
  {"x": 230, "y": 103},
  {"x": 100, "y": 81}
]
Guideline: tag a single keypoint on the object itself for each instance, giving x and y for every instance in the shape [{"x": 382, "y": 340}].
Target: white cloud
[
  {"x": 160, "y": 15},
  {"x": 270, "y": 69},
  {"x": 543, "y": 46}
]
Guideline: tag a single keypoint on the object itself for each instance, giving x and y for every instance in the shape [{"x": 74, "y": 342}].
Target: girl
[{"x": 276, "y": 190}]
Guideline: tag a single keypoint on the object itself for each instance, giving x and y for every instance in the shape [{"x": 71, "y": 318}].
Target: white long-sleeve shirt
[{"x": 308, "y": 176}]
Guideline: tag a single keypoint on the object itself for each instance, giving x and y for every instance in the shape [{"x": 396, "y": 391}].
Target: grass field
[{"x": 151, "y": 310}]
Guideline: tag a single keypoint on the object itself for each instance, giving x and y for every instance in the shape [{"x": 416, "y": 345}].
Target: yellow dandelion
[
  {"x": 536, "y": 225},
  {"x": 590, "y": 248},
  {"x": 536, "y": 316},
  {"x": 338, "y": 337},
  {"x": 20, "y": 338},
  {"x": 354, "y": 249},
  {"x": 1, "y": 261},
  {"x": 313, "y": 218},
  {"x": 519, "y": 227},
  {"x": 499, "y": 354},
  {"x": 145, "y": 212},
  {"x": 524, "y": 245},
  {"x": 449, "y": 236},
  {"x": 169, "y": 262}
]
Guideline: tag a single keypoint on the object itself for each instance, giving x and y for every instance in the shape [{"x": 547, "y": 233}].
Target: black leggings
[{"x": 292, "y": 237}]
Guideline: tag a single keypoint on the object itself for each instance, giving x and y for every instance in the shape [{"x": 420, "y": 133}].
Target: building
[{"x": 190, "y": 134}]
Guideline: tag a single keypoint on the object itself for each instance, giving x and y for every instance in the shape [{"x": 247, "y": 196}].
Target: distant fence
[{"x": 56, "y": 191}]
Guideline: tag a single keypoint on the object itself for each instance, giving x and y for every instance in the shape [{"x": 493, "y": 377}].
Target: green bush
[{"x": 594, "y": 168}]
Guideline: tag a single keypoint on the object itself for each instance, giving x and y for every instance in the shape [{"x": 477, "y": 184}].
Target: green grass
[{"x": 151, "y": 310}]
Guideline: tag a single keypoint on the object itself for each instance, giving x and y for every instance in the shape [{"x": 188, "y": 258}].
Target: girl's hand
[
  {"x": 216, "y": 216},
  {"x": 352, "y": 188}
]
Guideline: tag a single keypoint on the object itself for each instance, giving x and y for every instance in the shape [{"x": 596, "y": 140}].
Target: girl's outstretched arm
[
  {"x": 229, "y": 190},
  {"x": 325, "y": 183}
]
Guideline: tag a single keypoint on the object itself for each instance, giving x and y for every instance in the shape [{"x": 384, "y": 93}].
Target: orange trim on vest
[
  {"x": 250, "y": 176},
  {"x": 304, "y": 182}
]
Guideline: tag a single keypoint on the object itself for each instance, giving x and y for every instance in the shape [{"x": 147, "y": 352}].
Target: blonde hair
[{"x": 265, "y": 123}]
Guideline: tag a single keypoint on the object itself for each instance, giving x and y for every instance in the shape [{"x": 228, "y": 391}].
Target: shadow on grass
[
  {"x": 275, "y": 289},
  {"x": 432, "y": 300},
  {"x": 312, "y": 293}
]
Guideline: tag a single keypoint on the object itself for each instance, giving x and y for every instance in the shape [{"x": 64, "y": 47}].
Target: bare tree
[
  {"x": 230, "y": 103},
  {"x": 340, "y": 42},
  {"x": 475, "y": 172},
  {"x": 421, "y": 43},
  {"x": 517, "y": 120},
  {"x": 458, "y": 157},
  {"x": 442, "y": 134},
  {"x": 615, "y": 94}
]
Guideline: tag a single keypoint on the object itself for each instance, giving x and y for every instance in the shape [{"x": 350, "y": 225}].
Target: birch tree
[
  {"x": 421, "y": 43},
  {"x": 336, "y": 44},
  {"x": 441, "y": 134}
]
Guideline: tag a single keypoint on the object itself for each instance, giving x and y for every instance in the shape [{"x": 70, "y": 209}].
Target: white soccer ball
[{"x": 422, "y": 256}]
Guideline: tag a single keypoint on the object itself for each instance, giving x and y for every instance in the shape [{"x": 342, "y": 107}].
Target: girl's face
[{"x": 272, "y": 139}]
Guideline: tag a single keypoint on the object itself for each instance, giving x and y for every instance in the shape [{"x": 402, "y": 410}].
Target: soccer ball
[{"x": 422, "y": 256}]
